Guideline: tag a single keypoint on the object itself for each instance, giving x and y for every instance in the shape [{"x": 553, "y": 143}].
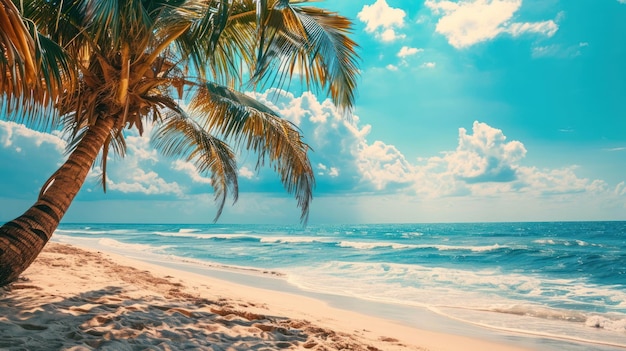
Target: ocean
[{"x": 559, "y": 281}]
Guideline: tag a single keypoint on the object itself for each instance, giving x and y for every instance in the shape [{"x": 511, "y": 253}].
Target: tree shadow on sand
[{"x": 111, "y": 319}]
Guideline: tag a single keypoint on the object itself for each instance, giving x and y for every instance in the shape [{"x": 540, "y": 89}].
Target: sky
[{"x": 466, "y": 111}]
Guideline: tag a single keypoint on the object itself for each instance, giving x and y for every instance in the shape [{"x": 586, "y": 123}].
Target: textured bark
[{"x": 22, "y": 239}]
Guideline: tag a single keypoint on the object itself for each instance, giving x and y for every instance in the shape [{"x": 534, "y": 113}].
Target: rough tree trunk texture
[{"x": 22, "y": 239}]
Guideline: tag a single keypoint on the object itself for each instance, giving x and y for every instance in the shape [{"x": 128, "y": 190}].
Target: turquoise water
[{"x": 560, "y": 280}]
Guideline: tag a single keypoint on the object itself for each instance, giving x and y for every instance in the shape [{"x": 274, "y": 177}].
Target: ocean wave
[
  {"x": 188, "y": 230},
  {"x": 294, "y": 239},
  {"x": 544, "y": 322},
  {"x": 470, "y": 248},
  {"x": 362, "y": 245},
  {"x": 416, "y": 283},
  {"x": 541, "y": 312},
  {"x": 446, "y": 286},
  {"x": 409, "y": 235},
  {"x": 607, "y": 322},
  {"x": 564, "y": 242},
  {"x": 196, "y": 235}
]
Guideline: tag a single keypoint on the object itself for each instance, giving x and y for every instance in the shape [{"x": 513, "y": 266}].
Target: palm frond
[
  {"x": 234, "y": 54},
  {"x": 103, "y": 19},
  {"x": 60, "y": 21},
  {"x": 215, "y": 43},
  {"x": 314, "y": 43},
  {"x": 334, "y": 53},
  {"x": 257, "y": 128},
  {"x": 17, "y": 53},
  {"x": 181, "y": 136},
  {"x": 33, "y": 71}
]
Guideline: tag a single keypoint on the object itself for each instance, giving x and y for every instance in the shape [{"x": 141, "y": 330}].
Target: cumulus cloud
[
  {"x": 28, "y": 158},
  {"x": 148, "y": 183},
  {"x": 382, "y": 165},
  {"x": 141, "y": 172},
  {"x": 191, "y": 171},
  {"x": 389, "y": 35},
  {"x": 547, "y": 28},
  {"x": 428, "y": 65},
  {"x": 246, "y": 173},
  {"x": 470, "y": 22},
  {"x": 13, "y": 135},
  {"x": 334, "y": 138},
  {"x": 484, "y": 164},
  {"x": 558, "y": 182},
  {"x": 325, "y": 170},
  {"x": 406, "y": 51},
  {"x": 382, "y": 20},
  {"x": 485, "y": 156}
]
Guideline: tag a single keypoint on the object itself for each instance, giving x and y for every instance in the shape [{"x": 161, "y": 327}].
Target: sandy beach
[{"x": 82, "y": 299}]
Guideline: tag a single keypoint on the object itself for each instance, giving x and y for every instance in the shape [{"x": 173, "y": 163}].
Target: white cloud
[
  {"x": 558, "y": 182},
  {"x": 406, "y": 51},
  {"x": 389, "y": 35},
  {"x": 191, "y": 171},
  {"x": 622, "y": 1},
  {"x": 559, "y": 51},
  {"x": 473, "y": 21},
  {"x": 485, "y": 156},
  {"x": 547, "y": 28},
  {"x": 13, "y": 135},
  {"x": 246, "y": 173},
  {"x": 382, "y": 20},
  {"x": 140, "y": 149},
  {"x": 382, "y": 165},
  {"x": 28, "y": 158},
  {"x": 392, "y": 67},
  {"x": 485, "y": 164},
  {"x": 143, "y": 172},
  {"x": 428, "y": 65},
  {"x": 148, "y": 183},
  {"x": 324, "y": 170}
]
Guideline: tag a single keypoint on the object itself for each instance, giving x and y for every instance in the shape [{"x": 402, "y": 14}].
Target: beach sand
[{"x": 82, "y": 299}]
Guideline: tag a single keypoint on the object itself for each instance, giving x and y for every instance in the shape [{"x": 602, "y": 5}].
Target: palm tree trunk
[{"x": 22, "y": 239}]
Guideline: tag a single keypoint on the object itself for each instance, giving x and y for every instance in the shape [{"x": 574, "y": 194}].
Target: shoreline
[
  {"x": 83, "y": 299},
  {"x": 422, "y": 317}
]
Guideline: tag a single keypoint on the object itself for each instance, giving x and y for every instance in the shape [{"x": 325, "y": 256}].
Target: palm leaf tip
[
  {"x": 315, "y": 44},
  {"x": 182, "y": 137},
  {"x": 251, "y": 125}
]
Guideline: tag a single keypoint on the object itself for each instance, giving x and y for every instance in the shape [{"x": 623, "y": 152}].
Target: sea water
[{"x": 565, "y": 280}]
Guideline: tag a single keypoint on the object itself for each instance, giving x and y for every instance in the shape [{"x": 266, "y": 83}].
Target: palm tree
[{"x": 137, "y": 60}]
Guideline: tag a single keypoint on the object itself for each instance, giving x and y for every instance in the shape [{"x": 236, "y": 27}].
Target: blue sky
[{"x": 475, "y": 110}]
